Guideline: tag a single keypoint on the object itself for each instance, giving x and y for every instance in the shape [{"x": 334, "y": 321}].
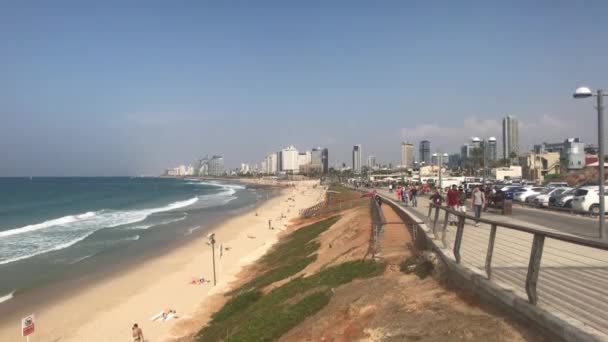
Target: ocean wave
[
  {"x": 45, "y": 250},
  {"x": 7, "y": 297},
  {"x": 46, "y": 224},
  {"x": 160, "y": 223},
  {"x": 26, "y": 242}
]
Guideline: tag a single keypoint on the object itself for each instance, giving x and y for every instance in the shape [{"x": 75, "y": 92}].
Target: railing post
[
  {"x": 490, "y": 251},
  {"x": 458, "y": 241},
  {"x": 444, "y": 231},
  {"x": 435, "y": 221},
  {"x": 445, "y": 224},
  {"x": 534, "y": 267}
]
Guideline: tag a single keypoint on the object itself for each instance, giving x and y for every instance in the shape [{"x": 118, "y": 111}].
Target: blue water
[{"x": 49, "y": 225}]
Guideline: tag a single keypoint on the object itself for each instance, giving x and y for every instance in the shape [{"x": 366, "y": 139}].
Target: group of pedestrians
[
  {"x": 456, "y": 199},
  {"x": 408, "y": 195}
]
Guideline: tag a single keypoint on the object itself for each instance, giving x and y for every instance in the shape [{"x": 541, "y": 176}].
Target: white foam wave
[
  {"x": 55, "y": 222},
  {"x": 132, "y": 238},
  {"x": 41, "y": 251},
  {"x": 80, "y": 259},
  {"x": 26, "y": 242},
  {"x": 191, "y": 230},
  {"x": 154, "y": 224},
  {"x": 7, "y": 297}
]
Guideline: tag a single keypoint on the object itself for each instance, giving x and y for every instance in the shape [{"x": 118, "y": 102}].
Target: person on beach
[
  {"x": 269, "y": 224},
  {"x": 478, "y": 202},
  {"x": 137, "y": 333},
  {"x": 452, "y": 196}
]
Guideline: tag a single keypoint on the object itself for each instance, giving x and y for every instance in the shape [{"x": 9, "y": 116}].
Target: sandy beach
[{"x": 105, "y": 310}]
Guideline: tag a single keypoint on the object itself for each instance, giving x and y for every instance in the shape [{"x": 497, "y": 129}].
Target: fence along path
[
  {"x": 325, "y": 207},
  {"x": 571, "y": 279}
]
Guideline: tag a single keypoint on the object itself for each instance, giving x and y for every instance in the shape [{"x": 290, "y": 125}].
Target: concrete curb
[{"x": 561, "y": 326}]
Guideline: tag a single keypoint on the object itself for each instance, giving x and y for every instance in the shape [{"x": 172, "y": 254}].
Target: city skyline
[{"x": 110, "y": 92}]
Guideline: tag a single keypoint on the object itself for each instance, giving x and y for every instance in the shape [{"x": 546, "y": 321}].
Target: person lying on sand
[
  {"x": 250, "y": 236},
  {"x": 165, "y": 315}
]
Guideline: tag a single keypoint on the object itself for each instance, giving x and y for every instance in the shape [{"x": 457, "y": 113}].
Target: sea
[{"x": 52, "y": 229}]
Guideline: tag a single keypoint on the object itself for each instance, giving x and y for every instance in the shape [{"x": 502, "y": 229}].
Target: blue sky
[{"x": 131, "y": 87}]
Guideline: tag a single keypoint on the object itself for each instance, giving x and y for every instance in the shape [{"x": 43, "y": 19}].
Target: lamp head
[{"x": 582, "y": 92}]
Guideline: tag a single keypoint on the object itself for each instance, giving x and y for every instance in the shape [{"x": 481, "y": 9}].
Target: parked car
[
  {"x": 544, "y": 198},
  {"x": 565, "y": 201},
  {"x": 521, "y": 196},
  {"x": 590, "y": 201},
  {"x": 557, "y": 185},
  {"x": 510, "y": 191}
]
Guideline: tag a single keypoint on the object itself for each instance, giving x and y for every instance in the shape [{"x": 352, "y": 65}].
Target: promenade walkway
[{"x": 573, "y": 280}]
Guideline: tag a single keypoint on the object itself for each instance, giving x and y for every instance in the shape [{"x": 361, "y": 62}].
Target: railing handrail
[{"x": 550, "y": 234}]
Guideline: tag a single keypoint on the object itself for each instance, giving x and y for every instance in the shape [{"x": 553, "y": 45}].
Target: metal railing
[
  {"x": 536, "y": 252},
  {"x": 325, "y": 207}
]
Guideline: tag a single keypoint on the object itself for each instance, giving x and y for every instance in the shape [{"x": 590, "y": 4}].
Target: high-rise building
[
  {"x": 510, "y": 136},
  {"x": 304, "y": 158},
  {"x": 271, "y": 164},
  {"x": 454, "y": 160},
  {"x": 492, "y": 152},
  {"x": 371, "y": 161},
  {"x": 425, "y": 152},
  {"x": 216, "y": 166},
  {"x": 325, "y": 160},
  {"x": 357, "y": 152},
  {"x": 315, "y": 156},
  {"x": 407, "y": 155},
  {"x": 289, "y": 160},
  {"x": 465, "y": 153}
]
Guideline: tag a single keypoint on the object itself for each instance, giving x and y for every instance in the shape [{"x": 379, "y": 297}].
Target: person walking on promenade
[
  {"x": 413, "y": 196},
  {"x": 478, "y": 202},
  {"x": 462, "y": 200},
  {"x": 452, "y": 196},
  {"x": 404, "y": 195},
  {"x": 399, "y": 193},
  {"x": 436, "y": 198},
  {"x": 379, "y": 201}
]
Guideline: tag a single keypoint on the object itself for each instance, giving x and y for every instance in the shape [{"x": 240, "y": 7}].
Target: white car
[
  {"x": 542, "y": 200},
  {"x": 522, "y": 195},
  {"x": 589, "y": 201}
]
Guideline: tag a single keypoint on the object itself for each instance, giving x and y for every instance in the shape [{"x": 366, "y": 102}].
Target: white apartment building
[
  {"x": 272, "y": 165},
  {"x": 289, "y": 160}
]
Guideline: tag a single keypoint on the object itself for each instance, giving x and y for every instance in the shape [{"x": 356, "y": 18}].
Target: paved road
[{"x": 567, "y": 223}]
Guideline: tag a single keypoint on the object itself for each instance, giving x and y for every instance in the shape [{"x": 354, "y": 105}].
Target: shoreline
[{"x": 111, "y": 300}]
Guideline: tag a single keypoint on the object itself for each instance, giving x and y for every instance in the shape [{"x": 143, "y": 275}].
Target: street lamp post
[
  {"x": 581, "y": 93},
  {"x": 211, "y": 237}
]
